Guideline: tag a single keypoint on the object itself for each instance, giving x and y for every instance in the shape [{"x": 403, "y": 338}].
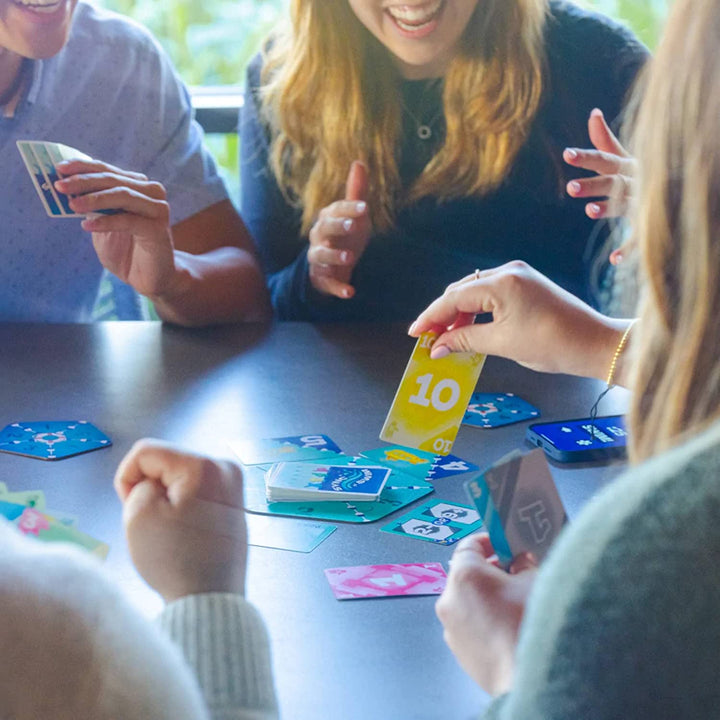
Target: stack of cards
[
  {"x": 40, "y": 159},
  {"x": 26, "y": 510},
  {"x": 432, "y": 398},
  {"x": 519, "y": 504},
  {"x": 298, "y": 481}
]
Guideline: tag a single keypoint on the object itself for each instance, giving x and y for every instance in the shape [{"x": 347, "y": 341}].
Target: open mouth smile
[
  {"x": 415, "y": 18},
  {"x": 43, "y": 7}
]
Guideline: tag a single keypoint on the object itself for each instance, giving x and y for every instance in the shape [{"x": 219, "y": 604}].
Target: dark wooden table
[{"x": 380, "y": 659}]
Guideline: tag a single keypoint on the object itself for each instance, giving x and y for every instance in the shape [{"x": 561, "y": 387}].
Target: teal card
[{"x": 437, "y": 521}]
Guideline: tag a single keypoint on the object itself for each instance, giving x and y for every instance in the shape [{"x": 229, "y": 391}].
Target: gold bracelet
[{"x": 618, "y": 352}]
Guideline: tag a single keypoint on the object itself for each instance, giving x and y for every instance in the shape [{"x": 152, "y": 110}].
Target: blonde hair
[
  {"x": 329, "y": 97},
  {"x": 677, "y": 227}
]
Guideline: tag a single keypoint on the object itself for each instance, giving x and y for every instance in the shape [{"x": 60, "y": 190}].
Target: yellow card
[{"x": 432, "y": 398}]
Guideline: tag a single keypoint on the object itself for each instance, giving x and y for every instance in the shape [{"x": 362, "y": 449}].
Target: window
[{"x": 211, "y": 42}]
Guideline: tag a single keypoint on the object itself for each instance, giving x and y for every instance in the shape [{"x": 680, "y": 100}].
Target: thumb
[
  {"x": 477, "y": 338},
  {"x": 356, "y": 187},
  {"x": 602, "y": 137},
  {"x": 523, "y": 561}
]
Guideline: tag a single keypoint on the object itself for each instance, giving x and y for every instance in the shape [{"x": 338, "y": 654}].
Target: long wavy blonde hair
[
  {"x": 330, "y": 97},
  {"x": 677, "y": 227}
]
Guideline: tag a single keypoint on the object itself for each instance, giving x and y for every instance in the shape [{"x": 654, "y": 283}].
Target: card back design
[{"x": 519, "y": 504}]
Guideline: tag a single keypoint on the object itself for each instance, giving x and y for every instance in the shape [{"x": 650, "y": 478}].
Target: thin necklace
[
  {"x": 10, "y": 93},
  {"x": 423, "y": 128}
]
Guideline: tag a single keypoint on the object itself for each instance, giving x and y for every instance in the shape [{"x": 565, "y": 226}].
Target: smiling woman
[{"x": 391, "y": 145}]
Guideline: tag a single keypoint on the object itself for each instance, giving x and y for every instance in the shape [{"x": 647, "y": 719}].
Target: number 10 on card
[{"x": 432, "y": 398}]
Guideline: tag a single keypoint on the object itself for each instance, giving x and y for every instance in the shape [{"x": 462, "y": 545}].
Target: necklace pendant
[{"x": 424, "y": 132}]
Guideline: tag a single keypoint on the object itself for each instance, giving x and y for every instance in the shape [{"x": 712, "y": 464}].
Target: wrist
[{"x": 611, "y": 351}]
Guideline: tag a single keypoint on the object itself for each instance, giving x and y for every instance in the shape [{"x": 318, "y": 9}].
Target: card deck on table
[
  {"x": 306, "y": 481},
  {"x": 373, "y": 581},
  {"x": 420, "y": 464},
  {"x": 52, "y": 440},
  {"x": 490, "y": 410},
  {"x": 519, "y": 503},
  {"x": 432, "y": 398},
  {"x": 400, "y": 490},
  {"x": 437, "y": 521},
  {"x": 284, "y": 449}
]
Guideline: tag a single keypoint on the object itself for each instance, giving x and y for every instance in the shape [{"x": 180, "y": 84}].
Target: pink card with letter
[{"x": 373, "y": 581}]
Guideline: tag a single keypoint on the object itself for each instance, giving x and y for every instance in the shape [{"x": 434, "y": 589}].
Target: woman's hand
[
  {"x": 481, "y": 610},
  {"x": 339, "y": 237},
  {"x": 534, "y": 322},
  {"x": 135, "y": 243},
  {"x": 615, "y": 167}
]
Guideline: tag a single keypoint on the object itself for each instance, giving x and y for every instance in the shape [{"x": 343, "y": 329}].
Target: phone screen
[{"x": 584, "y": 434}]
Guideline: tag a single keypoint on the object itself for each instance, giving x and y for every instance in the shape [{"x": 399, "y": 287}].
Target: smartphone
[{"x": 582, "y": 439}]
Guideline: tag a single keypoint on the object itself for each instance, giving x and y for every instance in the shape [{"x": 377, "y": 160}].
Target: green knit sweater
[{"x": 624, "y": 621}]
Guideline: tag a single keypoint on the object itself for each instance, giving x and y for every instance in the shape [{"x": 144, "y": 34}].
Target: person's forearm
[{"x": 220, "y": 286}]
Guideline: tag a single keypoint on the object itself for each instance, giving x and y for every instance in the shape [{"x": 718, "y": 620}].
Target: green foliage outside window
[{"x": 212, "y": 41}]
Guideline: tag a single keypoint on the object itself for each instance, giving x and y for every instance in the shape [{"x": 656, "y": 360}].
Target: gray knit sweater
[{"x": 625, "y": 619}]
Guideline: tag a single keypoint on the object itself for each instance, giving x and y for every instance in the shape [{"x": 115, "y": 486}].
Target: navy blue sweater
[{"x": 591, "y": 62}]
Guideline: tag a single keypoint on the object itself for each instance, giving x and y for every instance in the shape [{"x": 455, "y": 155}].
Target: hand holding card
[
  {"x": 519, "y": 504},
  {"x": 430, "y": 403}
]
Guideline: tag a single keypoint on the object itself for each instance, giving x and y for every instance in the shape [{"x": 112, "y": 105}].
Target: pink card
[{"x": 372, "y": 581}]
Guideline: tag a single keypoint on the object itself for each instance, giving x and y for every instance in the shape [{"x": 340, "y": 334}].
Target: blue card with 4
[
  {"x": 52, "y": 440},
  {"x": 419, "y": 463},
  {"x": 490, "y": 410}
]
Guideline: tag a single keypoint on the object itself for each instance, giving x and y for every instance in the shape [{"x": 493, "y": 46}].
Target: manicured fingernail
[
  {"x": 360, "y": 207},
  {"x": 346, "y": 293},
  {"x": 439, "y": 352},
  {"x": 347, "y": 225},
  {"x": 616, "y": 257},
  {"x": 62, "y": 164},
  {"x": 570, "y": 153},
  {"x": 573, "y": 187},
  {"x": 60, "y": 185},
  {"x": 411, "y": 329},
  {"x": 596, "y": 112},
  {"x": 594, "y": 209},
  {"x": 344, "y": 256}
]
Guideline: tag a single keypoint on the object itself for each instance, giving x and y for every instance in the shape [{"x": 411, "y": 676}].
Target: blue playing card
[
  {"x": 52, "y": 440},
  {"x": 490, "y": 410},
  {"x": 284, "y": 449}
]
